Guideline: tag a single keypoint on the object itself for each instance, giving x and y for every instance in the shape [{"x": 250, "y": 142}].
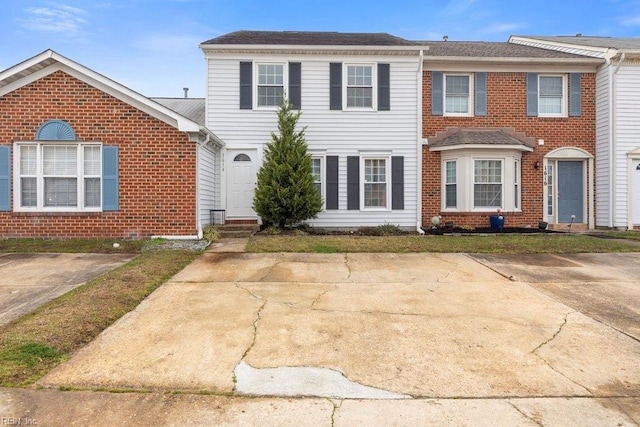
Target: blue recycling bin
[{"x": 497, "y": 222}]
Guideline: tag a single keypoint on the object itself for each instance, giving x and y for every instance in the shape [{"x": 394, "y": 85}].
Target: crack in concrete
[
  {"x": 336, "y": 406},
  {"x": 315, "y": 301},
  {"x": 346, "y": 264},
  {"x": 546, "y": 362},
  {"x": 275, "y": 264},
  {"x": 525, "y": 415},
  {"x": 255, "y": 332}
]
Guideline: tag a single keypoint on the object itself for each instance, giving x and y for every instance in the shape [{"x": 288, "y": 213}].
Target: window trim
[
  {"x": 465, "y": 162},
  {"x": 80, "y": 176},
  {"x": 388, "y": 184},
  {"x": 323, "y": 179},
  {"x": 564, "y": 101},
  {"x": 374, "y": 85},
  {"x": 256, "y": 83},
  {"x": 470, "y": 100}
]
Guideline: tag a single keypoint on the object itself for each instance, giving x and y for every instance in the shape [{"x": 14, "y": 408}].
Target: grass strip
[
  {"x": 35, "y": 343},
  {"x": 492, "y": 244}
]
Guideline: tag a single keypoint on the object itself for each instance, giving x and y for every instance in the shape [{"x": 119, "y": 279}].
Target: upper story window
[
  {"x": 270, "y": 84},
  {"x": 458, "y": 95},
  {"x": 359, "y": 86},
  {"x": 551, "y": 96},
  {"x": 58, "y": 177}
]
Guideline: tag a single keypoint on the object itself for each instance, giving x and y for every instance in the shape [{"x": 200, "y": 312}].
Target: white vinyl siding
[
  {"x": 334, "y": 132},
  {"x": 603, "y": 149},
  {"x": 208, "y": 182}
]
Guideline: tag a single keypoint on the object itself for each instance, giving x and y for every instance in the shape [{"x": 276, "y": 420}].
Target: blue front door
[{"x": 570, "y": 191}]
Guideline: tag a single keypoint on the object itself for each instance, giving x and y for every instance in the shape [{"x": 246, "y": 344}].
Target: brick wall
[
  {"x": 506, "y": 107},
  {"x": 157, "y": 164}
]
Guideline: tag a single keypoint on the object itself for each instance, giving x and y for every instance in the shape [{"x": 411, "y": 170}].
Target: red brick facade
[
  {"x": 506, "y": 107},
  {"x": 157, "y": 163}
]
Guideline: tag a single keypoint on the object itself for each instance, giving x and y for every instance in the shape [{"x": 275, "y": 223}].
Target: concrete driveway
[
  {"x": 29, "y": 280},
  {"x": 385, "y": 337}
]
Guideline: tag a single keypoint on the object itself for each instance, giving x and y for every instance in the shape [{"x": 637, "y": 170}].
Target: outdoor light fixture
[{"x": 536, "y": 165}]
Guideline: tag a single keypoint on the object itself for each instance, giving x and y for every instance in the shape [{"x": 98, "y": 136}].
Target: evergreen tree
[{"x": 285, "y": 193}]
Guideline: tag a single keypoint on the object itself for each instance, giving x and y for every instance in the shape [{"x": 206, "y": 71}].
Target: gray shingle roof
[
  {"x": 191, "y": 108},
  {"x": 309, "y": 38},
  {"x": 481, "y": 136},
  {"x": 589, "y": 41},
  {"x": 491, "y": 50}
]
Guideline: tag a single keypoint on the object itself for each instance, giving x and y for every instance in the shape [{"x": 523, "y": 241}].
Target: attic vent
[{"x": 55, "y": 130}]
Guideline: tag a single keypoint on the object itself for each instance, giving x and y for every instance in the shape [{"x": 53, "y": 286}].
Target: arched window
[
  {"x": 242, "y": 158},
  {"x": 55, "y": 130}
]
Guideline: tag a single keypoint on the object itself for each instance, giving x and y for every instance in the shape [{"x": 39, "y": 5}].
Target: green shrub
[{"x": 211, "y": 233}]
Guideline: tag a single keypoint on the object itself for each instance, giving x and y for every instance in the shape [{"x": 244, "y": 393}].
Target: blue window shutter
[
  {"x": 532, "y": 94},
  {"x": 109, "y": 178},
  {"x": 397, "y": 182},
  {"x": 5, "y": 179},
  {"x": 353, "y": 182},
  {"x": 331, "y": 196},
  {"x": 575, "y": 94},
  {"x": 384, "y": 87},
  {"x": 481, "y": 94},
  {"x": 335, "y": 86},
  {"x": 246, "y": 72},
  {"x": 437, "y": 93},
  {"x": 295, "y": 85}
]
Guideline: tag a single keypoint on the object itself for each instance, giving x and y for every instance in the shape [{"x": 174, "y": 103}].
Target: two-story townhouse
[
  {"x": 508, "y": 128},
  {"x": 359, "y": 95},
  {"x": 84, "y": 156},
  {"x": 617, "y": 122}
]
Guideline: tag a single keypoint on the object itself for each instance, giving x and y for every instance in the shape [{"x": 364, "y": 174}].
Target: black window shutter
[
  {"x": 331, "y": 196},
  {"x": 335, "y": 86},
  {"x": 295, "y": 85},
  {"x": 481, "y": 94},
  {"x": 575, "y": 94},
  {"x": 437, "y": 93},
  {"x": 532, "y": 94},
  {"x": 397, "y": 182},
  {"x": 384, "y": 87},
  {"x": 246, "y": 71},
  {"x": 353, "y": 182}
]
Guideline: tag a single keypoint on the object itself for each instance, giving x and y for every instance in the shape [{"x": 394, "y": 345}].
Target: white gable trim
[{"x": 49, "y": 62}]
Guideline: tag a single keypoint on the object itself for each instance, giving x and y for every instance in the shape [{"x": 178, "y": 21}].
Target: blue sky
[{"x": 151, "y": 46}]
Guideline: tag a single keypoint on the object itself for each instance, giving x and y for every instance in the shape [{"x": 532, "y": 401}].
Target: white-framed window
[
  {"x": 375, "y": 181},
  {"x": 270, "y": 84},
  {"x": 487, "y": 184},
  {"x": 482, "y": 182},
  {"x": 458, "y": 95},
  {"x": 451, "y": 184},
  {"x": 58, "y": 176},
  {"x": 360, "y": 86},
  {"x": 552, "y": 95},
  {"x": 316, "y": 172},
  {"x": 549, "y": 182}
]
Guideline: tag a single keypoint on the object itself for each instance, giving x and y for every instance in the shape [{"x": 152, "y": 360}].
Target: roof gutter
[
  {"x": 516, "y": 60},
  {"x": 419, "y": 142}
]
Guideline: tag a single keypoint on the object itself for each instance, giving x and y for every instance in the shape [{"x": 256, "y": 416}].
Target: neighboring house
[
  {"x": 359, "y": 95},
  {"x": 617, "y": 122},
  {"x": 508, "y": 128},
  {"x": 83, "y": 156}
]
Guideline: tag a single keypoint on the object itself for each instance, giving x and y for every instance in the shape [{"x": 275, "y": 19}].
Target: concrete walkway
[{"x": 349, "y": 339}]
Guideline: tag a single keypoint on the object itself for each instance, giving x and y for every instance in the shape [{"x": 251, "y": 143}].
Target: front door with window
[
  {"x": 570, "y": 191},
  {"x": 241, "y": 183}
]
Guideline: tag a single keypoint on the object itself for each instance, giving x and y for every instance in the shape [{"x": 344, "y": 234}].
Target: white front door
[
  {"x": 635, "y": 187},
  {"x": 241, "y": 182}
]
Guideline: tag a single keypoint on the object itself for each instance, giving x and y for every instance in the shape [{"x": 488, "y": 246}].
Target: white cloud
[
  {"x": 457, "y": 7},
  {"x": 630, "y": 21},
  {"x": 55, "y": 19},
  {"x": 168, "y": 43},
  {"x": 501, "y": 28}
]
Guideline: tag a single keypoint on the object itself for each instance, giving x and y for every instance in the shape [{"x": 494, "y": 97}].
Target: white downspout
[{"x": 419, "y": 144}]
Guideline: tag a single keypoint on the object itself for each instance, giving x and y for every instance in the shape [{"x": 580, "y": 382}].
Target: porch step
[
  {"x": 578, "y": 228},
  {"x": 237, "y": 230}
]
